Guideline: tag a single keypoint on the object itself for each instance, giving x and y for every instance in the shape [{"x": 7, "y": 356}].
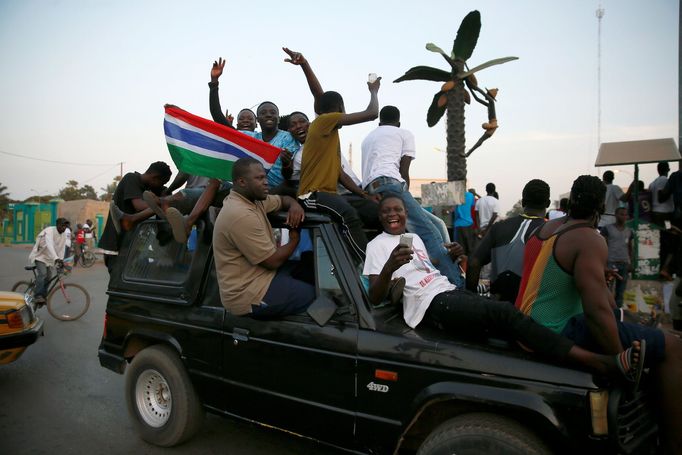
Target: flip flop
[
  {"x": 177, "y": 222},
  {"x": 150, "y": 199},
  {"x": 115, "y": 214},
  {"x": 624, "y": 363}
]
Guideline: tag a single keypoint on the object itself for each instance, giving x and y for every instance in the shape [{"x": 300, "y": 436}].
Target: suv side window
[
  {"x": 327, "y": 276},
  {"x": 156, "y": 257}
]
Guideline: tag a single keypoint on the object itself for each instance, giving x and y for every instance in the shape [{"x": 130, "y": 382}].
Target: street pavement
[{"x": 57, "y": 399}]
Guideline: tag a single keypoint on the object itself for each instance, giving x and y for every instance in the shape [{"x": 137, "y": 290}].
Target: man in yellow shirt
[{"x": 321, "y": 164}]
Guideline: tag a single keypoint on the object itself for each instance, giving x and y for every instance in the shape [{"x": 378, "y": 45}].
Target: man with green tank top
[{"x": 564, "y": 288}]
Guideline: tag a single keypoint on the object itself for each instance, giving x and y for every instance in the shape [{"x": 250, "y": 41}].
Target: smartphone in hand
[{"x": 406, "y": 240}]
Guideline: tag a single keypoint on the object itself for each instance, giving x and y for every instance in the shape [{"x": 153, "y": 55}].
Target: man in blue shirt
[{"x": 464, "y": 223}]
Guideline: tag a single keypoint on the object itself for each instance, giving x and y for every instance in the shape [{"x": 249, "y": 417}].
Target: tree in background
[
  {"x": 453, "y": 94},
  {"x": 109, "y": 190},
  {"x": 72, "y": 192},
  {"x": 4, "y": 201}
]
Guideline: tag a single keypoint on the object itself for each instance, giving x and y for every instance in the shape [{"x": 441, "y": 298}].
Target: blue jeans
[
  {"x": 43, "y": 275},
  {"x": 420, "y": 223},
  {"x": 620, "y": 285}
]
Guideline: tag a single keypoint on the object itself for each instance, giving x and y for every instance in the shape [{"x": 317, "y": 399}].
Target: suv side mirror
[{"x": 321, "y": 310}]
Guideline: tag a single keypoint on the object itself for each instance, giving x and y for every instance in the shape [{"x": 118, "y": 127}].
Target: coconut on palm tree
[{"x": 453, "y": 93}]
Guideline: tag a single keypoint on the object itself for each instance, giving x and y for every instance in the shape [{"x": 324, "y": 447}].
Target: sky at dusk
[{"x": 83, "y": 83}]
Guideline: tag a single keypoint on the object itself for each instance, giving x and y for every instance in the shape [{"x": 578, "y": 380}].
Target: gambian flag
[{"x": 202, "y": 147}]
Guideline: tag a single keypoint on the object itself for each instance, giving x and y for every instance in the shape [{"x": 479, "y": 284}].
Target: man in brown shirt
[{"x": 246, "y": 256}]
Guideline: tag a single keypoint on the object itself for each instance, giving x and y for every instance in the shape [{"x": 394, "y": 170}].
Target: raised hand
[
  {"x": 296, "y": 58},
  {"x": 374, "y": 86},
  {"x": 217, "y": 69}
]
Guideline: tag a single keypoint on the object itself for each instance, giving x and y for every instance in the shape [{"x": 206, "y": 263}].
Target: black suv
[{"x": 345, "y": 374}]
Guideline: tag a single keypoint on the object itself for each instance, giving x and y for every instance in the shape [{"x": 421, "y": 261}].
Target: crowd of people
[{"x": 549, "y": 278}]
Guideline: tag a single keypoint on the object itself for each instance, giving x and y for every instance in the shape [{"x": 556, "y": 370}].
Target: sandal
[
  {"x": 150, "y": 199},
  {"x": 632, "y": 373},
  {"x": 177, "y": 222}
]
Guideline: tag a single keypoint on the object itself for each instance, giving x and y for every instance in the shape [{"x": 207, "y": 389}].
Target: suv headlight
[{"x": 599, "y": 402}]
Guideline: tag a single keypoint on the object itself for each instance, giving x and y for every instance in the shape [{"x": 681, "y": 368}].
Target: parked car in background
[{"x": 19, "y": 326}]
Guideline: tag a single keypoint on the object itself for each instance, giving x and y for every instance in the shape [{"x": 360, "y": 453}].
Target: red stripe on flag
[{"x": 261, "y": 148}]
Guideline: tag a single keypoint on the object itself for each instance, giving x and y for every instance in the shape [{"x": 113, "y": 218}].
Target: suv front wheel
[
  {"x": 161, "y": 399},
  {"x": 473, "y": 434}
]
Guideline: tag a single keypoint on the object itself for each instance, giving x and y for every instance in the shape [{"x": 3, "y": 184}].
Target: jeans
[
  {"x": 420, "y": 223},
  {"x": 620, "y": 285},
  {"x": 465, "y": 313},
  {"x": 440, "y": 224},
  {"x": 43, "y": 275}
]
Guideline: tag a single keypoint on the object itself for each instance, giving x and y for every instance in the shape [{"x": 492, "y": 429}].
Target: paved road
[{"x": 56, "y": 399}]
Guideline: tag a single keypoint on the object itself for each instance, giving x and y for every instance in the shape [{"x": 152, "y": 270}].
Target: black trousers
[
  {"x": 463, "y": 312},
  {"x": 343, "y": 213}
]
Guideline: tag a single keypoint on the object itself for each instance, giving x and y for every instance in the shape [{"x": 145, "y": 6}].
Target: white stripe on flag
[{"x": 200, "y": 150}]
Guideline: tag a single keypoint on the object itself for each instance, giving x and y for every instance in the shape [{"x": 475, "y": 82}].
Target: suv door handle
[{"x": 240, "y": 335}]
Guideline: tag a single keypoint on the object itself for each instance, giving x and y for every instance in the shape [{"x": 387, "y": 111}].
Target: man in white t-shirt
[
  {"x": 46, "y": 254},
  {"x": 613, "y": 199},
  {"x": 387, "y": 153},
  {"x": 487, "y": 210},
  {"x": 660, "y": 213},
  {"x": 429, "y": 297}
]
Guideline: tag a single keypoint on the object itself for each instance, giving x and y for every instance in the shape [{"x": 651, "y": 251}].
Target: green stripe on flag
[{"x": 196, "y": 164}]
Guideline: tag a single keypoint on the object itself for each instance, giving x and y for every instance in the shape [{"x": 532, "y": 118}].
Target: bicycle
[
  {"x": 87, "y": 258},
  {"x": 64, "y": 301}
]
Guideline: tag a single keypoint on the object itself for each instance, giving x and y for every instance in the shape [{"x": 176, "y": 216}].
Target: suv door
[{"x": 292, "y": 373}]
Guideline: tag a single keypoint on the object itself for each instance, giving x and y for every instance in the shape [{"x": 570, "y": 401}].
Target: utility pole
[
  {"x": 600, "y": 14},
  {"x": 120, "y": 174}
]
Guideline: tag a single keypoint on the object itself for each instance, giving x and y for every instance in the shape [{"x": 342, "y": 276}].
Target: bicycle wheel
[
  {"x": 22, "y": 286},
  {"x": 88, "y": 259},
  {"x": 68, "y": 302}
]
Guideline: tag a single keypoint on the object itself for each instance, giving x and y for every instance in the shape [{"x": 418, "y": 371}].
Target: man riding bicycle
[{"x": 48, "y": 253}]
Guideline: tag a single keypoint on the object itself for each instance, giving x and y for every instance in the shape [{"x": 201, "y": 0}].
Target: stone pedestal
[{"x": 443, "y": 194}]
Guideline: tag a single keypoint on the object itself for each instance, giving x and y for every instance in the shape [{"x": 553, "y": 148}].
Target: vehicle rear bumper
[{"x": 111, "y": 361}]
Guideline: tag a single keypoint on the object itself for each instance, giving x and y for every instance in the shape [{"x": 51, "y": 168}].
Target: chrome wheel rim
[{"x": 153, "y": 398}]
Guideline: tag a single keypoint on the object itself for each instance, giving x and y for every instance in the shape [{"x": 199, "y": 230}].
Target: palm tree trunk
[{"x": 456, "y": 145}]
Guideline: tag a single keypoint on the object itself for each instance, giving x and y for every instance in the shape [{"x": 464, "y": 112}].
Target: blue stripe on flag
[{"x": 199, "y": 140}]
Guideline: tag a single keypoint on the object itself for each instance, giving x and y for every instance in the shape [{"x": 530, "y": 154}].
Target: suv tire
[
  {"x": 473, "y": 434},
  {"x": 161, "y": 399}
]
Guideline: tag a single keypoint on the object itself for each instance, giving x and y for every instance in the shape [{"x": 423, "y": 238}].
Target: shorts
[{"x": 576, "y": 329}]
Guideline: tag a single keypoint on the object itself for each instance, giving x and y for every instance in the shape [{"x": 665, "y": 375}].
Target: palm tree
[
  {"x": 4, "y": 195},
  {"x": 453, "y": 94}
]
